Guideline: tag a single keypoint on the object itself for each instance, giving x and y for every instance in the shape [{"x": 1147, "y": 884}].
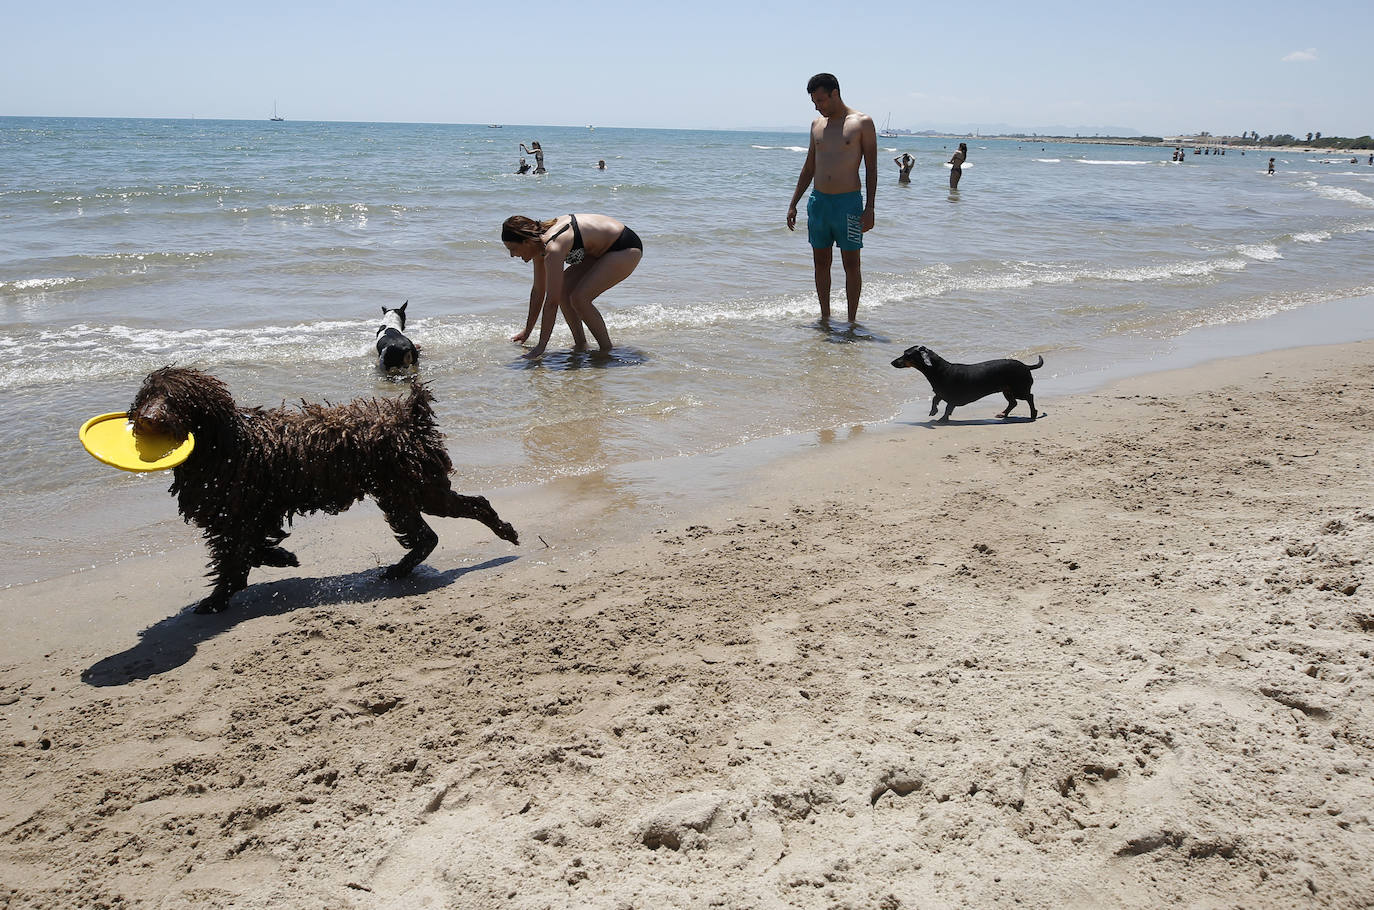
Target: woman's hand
[
  {"x": 520, "y": 336},
  {"x": 534, "y": 353}
]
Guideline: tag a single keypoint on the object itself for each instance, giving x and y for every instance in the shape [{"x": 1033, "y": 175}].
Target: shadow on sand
[
  {"x": 170, "y": 643},
  {"x": 935, "y": 424}
]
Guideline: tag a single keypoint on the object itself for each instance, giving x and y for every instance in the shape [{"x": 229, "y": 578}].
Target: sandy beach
[{"x": 1119, "y": 656}]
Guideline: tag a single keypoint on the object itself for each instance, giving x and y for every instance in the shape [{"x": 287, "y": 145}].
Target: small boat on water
[
  {"x": 887, "y": 131},
  {"x": 495, "y": 126},
  {"x": 274, "y": 113}
]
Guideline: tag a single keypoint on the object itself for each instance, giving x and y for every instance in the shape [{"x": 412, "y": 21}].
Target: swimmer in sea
[
  {"x": 1271, "y": 165},
  {"x": 598, "y": 251},
  {"x": 905, "y": 162},
  {"x": 538, "y": 152},
  {"x": 956, "y": 165},
  {"x": 524, "y": 167}
]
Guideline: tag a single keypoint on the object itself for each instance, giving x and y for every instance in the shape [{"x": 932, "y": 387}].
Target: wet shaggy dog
[
  {"x": 395, "y": 352},
  {"x": 963, "y": 383},
  {"x": 252, "y": 470}
]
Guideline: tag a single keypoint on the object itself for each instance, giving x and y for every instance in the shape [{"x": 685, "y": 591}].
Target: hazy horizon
[{"x": 989, "y": 131}]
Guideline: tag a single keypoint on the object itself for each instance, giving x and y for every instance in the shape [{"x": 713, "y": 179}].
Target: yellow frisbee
[{"x": 110, "y": 438}]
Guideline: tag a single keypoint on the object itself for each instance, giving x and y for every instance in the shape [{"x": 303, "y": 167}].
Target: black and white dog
[
  {"x": 395, "y": 352},
  {"x": 963, "y": 383}
]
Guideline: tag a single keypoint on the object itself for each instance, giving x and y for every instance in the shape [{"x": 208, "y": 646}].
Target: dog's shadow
[
  {"x": 934, "y": 423},
  {"x": 172, "y": 642}
]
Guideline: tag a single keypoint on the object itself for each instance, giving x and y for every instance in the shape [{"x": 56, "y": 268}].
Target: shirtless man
[{"x": 836, "y": 213}]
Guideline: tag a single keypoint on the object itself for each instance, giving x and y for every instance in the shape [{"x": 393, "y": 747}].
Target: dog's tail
[
  {"x": 420, "y": 402},
  {"x": 1039, "y": 362},
  {"x": 425, "y": 450}
]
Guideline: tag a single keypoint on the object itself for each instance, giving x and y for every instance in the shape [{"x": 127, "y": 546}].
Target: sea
[{"x": 264, "y": 252}]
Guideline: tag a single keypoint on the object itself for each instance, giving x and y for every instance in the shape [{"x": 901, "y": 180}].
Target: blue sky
[{"x": 1160, "y": 68}]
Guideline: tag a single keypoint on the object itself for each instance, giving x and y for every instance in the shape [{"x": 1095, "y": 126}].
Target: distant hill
[{"x": 1006, "y": 129}]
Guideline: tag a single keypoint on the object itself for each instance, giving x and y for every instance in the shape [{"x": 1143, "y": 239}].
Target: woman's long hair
[{"x": 518, "y": 229}]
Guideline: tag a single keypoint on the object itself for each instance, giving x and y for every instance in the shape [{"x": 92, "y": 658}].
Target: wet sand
[{"x": 1118, "y": 656}]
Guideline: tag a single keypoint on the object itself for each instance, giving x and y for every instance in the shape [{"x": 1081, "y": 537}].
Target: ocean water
[{"x": 264, "y": 252}]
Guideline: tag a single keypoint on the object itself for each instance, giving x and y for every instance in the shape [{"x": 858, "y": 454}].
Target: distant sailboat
[
  {"x": 888, "y": 132},
  {"x": 274, "y": 113}
]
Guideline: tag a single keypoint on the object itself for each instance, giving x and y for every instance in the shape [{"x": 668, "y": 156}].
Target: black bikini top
[{"x": 577, "y": 253}]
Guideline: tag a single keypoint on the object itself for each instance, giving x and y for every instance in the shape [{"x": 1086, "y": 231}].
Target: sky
[{"x": 1160, "y": 69}]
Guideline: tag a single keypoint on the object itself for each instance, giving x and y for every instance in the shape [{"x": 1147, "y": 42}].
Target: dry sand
[{"x": 1116, "y": 657}]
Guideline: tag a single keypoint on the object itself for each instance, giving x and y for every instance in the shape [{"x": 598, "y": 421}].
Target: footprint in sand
[{"x": 774, "y": 640}]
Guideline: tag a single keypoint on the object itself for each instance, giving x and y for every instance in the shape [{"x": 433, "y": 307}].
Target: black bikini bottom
[{"x": 628, "y": 240}]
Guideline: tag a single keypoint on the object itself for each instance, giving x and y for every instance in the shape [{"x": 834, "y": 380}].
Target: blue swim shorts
[{"x": 835, "y": 218}]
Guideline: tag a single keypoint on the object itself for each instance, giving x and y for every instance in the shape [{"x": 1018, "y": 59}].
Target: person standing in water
[
  {"x": 836, "y": 213},
  {"x": 1271, "y": 165},
  {"x": 538, "y": 153},
  {"x": 956, "y": 165},
  {"x": 904, "y": 162},
  {"x": 599, "y": 252}
]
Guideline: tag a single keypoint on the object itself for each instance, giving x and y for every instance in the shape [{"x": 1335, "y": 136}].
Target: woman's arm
[
  {"x": 551, "y": 269},
  {"x": 536, "y": 298}
]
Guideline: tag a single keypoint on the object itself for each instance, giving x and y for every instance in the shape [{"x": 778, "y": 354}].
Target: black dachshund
[{"x": 963, "y": 383}]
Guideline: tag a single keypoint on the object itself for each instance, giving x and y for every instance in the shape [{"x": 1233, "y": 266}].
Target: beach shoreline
[
  {"x": 716, "y": 356},
  {"x": 153, "y": 533},
  {"x": 1118, "y": 654}
]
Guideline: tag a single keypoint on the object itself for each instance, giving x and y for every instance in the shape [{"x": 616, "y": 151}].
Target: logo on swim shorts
[{"x": 854, "y": 227}]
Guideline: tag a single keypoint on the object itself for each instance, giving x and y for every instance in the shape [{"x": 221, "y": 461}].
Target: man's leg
[
  {"x": 823, "y": 257},
  {"x": 853, "y": 281}
]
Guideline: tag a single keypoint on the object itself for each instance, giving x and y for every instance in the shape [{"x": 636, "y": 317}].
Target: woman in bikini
[
  {"x": 598, "y": 251},
  {"x": 956, "y": 165},
  {"x": 537, "y": 151}
]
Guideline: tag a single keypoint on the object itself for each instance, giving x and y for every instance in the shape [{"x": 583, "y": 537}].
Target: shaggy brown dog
[{"x": 252, "y": 470}]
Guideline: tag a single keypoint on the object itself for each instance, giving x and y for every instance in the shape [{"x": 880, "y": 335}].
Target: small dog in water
[
  {"x": 395, "y": 352},
  {"x": 963, "y": 383},
  {"x": 252, "y": 470}
]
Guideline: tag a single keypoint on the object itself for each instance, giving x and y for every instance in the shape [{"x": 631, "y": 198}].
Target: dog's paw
[
  {"x": 212, "y": 604},
  {"x": 507, "y": 532},
  {"x": 391, "y": 573},
  {"x": 278, "y": 557}
]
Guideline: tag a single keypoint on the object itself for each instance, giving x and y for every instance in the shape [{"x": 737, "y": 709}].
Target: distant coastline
[{"x": 1149, "y": 143}]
